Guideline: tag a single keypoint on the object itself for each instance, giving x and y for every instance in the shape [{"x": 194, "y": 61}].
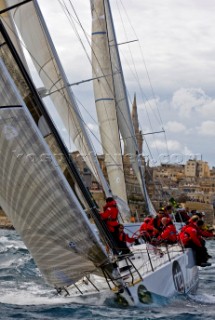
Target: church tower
[{"x": 138, "y": 133}]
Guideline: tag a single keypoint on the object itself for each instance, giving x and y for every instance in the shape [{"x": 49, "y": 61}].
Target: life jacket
[
  {"x": 169, "y": 233},
  {"x": 184, "y": 238},
  {"x": 110, "y": 215},
  {"x": 148, "y": 230},
  {"x": 125, "y": 238},
  {"x": 189, "y": 233}
]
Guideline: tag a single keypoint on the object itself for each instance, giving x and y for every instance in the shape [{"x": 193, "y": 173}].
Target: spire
[
  {"x": 134, "y": 115},
  {"x": 138, "y": 133}
]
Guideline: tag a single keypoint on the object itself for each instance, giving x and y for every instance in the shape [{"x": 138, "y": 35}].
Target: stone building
[{"x": 197, "y": 168}]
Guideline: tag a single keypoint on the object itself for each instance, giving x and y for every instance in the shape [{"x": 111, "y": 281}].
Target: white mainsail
[
  {"x": 111, "y": 68},
  {"x": 38, "y": 199},
  {"x": 32, "y": 27},
  {"x": 105, "y": 103}
]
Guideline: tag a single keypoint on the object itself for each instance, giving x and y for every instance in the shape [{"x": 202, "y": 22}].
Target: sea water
[{"x": 25, "y": 295}]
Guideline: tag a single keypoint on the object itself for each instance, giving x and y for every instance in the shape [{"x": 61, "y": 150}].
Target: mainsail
[
  {"x": 106, "y": 62},
  {"x": 38, "y": 199},
  {"x": 105, "y": 103},
  {"x": 37, "y": 41}
]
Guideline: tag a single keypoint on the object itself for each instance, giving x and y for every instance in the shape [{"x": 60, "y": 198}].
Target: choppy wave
[
  {"x": 203, "y": 298},
  {"x": 25, "y": 295}
]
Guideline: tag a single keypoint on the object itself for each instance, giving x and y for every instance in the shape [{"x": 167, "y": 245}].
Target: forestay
[{"x": 38, "y": 199}]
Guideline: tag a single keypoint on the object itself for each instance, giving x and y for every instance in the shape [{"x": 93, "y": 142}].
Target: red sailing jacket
[
  {"x": 125, "y": 238},
  {"x": 169, "y": 233},
  {"x": 206, "y": 233},
  {"x": 110, "y": 215},
  {"x": 148, "y": 229},
  {"x": 189, "y": 233}
]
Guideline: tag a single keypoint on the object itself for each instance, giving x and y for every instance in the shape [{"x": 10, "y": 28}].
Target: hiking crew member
[
  {"x": 191, "y": 238},
  {"x": 147, "y": 230},
  {"x": 203, "y": 230}
]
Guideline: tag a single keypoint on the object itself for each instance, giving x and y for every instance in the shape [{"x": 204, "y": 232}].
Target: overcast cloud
[{"x": 176, "y": 44}]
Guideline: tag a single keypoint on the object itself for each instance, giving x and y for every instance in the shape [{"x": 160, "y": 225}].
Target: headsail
[
  {"x": 32, "y": 27},
  {"x": 38, "y": 199},
  {"x": 103, "y": 25}
]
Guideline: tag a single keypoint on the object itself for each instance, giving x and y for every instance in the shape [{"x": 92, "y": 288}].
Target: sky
[{"x": 170, "y": 68}]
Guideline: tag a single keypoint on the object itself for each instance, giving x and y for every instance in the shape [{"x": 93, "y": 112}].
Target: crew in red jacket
[
  {"x": 156, "y": 222},
  {"x": 110, "y": 217},
  {"x": 203, "y": 230},
  {"x": 110, "y": 214},
  {"x": 147, "y": 230},
  {"x": 122, "y": 239},
  {"x": 169, "y": 233},
  {"x": 190, "y": 237}
]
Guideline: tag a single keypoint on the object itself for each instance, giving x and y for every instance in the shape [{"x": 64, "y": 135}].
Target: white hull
[{"x": 173, "y": 273}]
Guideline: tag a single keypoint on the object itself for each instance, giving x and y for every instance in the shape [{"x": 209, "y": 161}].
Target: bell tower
[{"x": 138, "y": 133}]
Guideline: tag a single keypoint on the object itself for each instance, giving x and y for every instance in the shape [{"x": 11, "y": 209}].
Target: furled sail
[
  {"x": 105, "y": 101},
  {"x": 32, "y": 27},
  {"x": 38, "y": 199},
  {"x": 103, "y": 28}
]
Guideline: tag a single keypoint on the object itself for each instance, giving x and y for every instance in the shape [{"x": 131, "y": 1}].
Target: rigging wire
[
  {"x": 85, "y": 34},
  {"x": 131, "y": 133},
  {"x": 110, "y": 139},
  {"x": 68, "y": 14},
  {"x": 140, "y": 87},
  {"x": 147, "y": 73}
]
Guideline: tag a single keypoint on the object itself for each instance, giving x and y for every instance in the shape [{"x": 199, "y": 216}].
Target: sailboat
[{"x": 45, "y": 198}]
